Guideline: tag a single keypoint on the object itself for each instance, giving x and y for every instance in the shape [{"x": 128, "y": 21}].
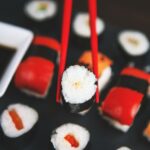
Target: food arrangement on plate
[{"x": 75, "y": 117}]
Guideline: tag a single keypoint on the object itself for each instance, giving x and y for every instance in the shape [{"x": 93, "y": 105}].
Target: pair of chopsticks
[{"x": 92, "y": 4}]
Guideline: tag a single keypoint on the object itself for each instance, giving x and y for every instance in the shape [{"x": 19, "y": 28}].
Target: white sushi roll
[
  {"x": 81, "y": 25},
  {"x": 134, "y": 43},
  {"x": 78, "y": 87},
  {"x": 40, "y": 10},
  {"x": 70, "y": 137},
  {"x": 123, "y": 148},
  {"x": 17, "y": 120}
]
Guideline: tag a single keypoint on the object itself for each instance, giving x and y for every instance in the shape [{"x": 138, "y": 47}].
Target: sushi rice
[{"x": 81, "y": 135}]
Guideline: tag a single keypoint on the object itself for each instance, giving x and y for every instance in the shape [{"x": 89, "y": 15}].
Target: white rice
[
  {"x": 31, "y": 9},
  {"x": 123, "y": 148},
  {"x": 27, "y": 114},
  {"x": 78, "y": 84},
  {"x": 104, "y": 78},
  {"x": 133, "y": 42},
  {"x": 81, "y": 25},
  {"x": 81, "y": 134}
]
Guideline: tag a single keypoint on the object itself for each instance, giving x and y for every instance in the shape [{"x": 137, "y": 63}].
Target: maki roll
[
  {"x": 123, "y": 148},
  {"x": 78, "y": 89},
  {"x": 134, "y": 43},
  {"x": 124, "y": 100},
  {"x": 34, "y": 76},
  {"x": 146, "y": 132},
  {"x": 70, "y": 137},
  {"x": 41, "y": 9},
  {"x": 81, "y": 29},
  {"x": 16, "y": 122},
  {"x": 104, "y": 67}
]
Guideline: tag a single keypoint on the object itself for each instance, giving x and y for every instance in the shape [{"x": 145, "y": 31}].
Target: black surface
[{"x": 103, "y": 136}]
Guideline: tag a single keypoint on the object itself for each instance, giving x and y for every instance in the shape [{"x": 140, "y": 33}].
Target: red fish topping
[
  {"x": 16, "y": 119},
  {"x": 71, "y": 139}
]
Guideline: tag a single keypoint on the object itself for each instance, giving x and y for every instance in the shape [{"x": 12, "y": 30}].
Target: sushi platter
[{"x": 32, "y": 119}]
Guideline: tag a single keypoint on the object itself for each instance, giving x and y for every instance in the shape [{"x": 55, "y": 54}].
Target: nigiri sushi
[
  {"x": 104, "y": 67},
  {"x": 134, "y": 43},
  {"x": 18, "y": 123},
  {"x": 81, "y": 29},
  {"x": 34, "y": 76},
  {"x": 124, "y": 100},
  {"x": 78, "y": 89},
  {"x": 70, "y": 137},
  {"x": 41, "y": 10}
]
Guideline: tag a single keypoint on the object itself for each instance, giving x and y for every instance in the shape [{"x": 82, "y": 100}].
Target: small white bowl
[{"x": 18, "y": 38}]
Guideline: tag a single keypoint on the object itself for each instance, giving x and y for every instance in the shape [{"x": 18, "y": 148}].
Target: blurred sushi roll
[
  {"x": 34, "y": 76},
  {"x": 123, "y": 101},
  {"x": 134, "y": 43},
  {"x": 81, "y": 29},
  {"x": 78, "y": 89},
  {"x": 18, "y": 125},
  {"x": 70, "y": 137},
  {"x": 123, "y": 148},
  {"x": 146, "y": 132},
  {"x": 104, "y": 67},
  {"x": 40, "y": 10}
]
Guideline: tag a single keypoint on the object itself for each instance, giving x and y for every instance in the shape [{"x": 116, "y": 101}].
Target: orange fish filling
[
  {"x": 103, "y": 61},
  {"x": 72, "y": 140},
  {"x": 16, "y": 119},
  {"x": 147, "y": 131}
]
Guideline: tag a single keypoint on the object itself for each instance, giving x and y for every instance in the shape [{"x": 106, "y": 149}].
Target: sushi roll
[
  {"x": 78, "y": 89},
  {"x": 104, "y": 67},
  {"x": 40, "y": 10},
  {"x": 16, "y": 121},
  {"x": 70, "y": 137},
  {"x": 123, "y": 148},
  {"x": 123, "y": 101},
  {"x": 146, "y": 132},
  {"x": 134, "y": 43},
  {"x": 34, "y": 76},
  {"x": 81, "y": 29}
]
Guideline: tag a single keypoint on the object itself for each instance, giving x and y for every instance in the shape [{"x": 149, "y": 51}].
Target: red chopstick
[
  {"x": 64, "y": 43},
  {"x": 94, "y": 39}
]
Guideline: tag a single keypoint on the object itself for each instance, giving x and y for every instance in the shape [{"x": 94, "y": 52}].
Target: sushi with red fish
[
  {"x": 34, "y": 76},
  {"x": 124, "y": 100}
]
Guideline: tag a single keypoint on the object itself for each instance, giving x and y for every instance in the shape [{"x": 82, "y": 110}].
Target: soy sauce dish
[{"x": 14, "y": 42}]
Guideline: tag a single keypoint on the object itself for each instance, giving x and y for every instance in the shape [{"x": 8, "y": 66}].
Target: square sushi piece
[
  {"x": 104, "y": 67},
  {"x": 34, "y": 76},
  {"x": 124, "y": 100}
]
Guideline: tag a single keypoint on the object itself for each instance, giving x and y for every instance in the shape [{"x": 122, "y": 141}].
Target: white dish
[{"x": 18, "y": 38}]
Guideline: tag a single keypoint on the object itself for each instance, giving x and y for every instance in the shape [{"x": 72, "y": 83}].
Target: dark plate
[{"x": 103, "y": 136}]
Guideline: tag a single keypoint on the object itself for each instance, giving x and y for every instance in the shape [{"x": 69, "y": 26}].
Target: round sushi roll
[
  {"x": 16, "y": 122},
  {"x": 134, "y": 43},
  {"x": 78, "y": 89},
  {"x": 81, "y": 29},
  {"x": 70, "y": 137},
  {"x": 41, "y": 9},
  {"x": 104, "y": 67},
  {"x": 123, "y": 148}
]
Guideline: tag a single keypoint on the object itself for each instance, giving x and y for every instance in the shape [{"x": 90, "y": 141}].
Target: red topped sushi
[
  {"x": 34, "y": 75},
  {"x": 123, "y": 101}
]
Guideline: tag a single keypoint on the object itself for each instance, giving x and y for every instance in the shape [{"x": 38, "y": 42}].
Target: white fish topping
[
  {"x": 133, "y": 42},
  {"x": 41, "y": 9},
  {"x": 81, "y": 25},
  {"x": 27, "y": 114},
  {"x": 78, "y": 84}
]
